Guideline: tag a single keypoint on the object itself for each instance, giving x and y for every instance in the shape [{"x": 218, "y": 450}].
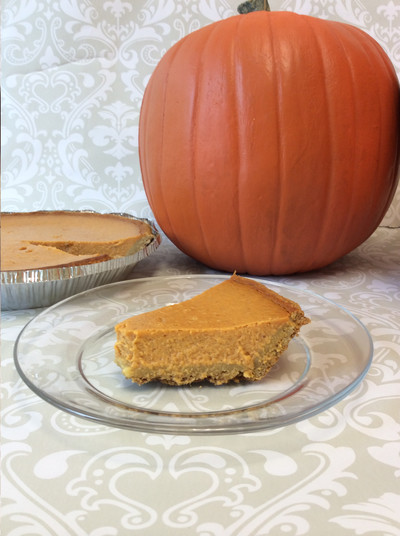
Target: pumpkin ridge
[
  {"x": 144, "y": 158},
  {"x": 350, "y": 199},
  {"x": 173, "y": 235},
  {"x": 372, "y": 217},
  {"x": 377, "y": 49},
  {"x": 281, "y": 178},
  {"x": 207, "y": 258},
  {"x": 240, "y": 143},
  {"x": 327, "y": 120},
  {"x": 395, "y": 179}
]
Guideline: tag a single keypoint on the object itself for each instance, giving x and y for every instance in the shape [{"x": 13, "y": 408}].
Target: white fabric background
[
  {"x": 74, "y": 72},
  {"x": 73, "y": 79}
]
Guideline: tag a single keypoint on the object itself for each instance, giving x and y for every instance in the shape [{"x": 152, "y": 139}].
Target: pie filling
[{"x": 41, "y": 240}]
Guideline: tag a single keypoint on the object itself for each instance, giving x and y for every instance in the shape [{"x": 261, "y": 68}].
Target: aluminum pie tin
[{"x": 30, "y": 289}]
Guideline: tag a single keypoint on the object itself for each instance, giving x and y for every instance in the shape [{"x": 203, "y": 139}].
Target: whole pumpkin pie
[
  {"x": 50, "y": 239},
  {"x": 236, "y": 330}
]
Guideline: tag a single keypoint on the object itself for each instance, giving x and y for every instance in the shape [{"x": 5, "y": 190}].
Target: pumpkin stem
[{"x": 253, "y": 5}]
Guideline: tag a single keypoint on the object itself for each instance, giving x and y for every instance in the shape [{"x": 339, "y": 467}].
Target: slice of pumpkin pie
[{"x": 236, "y": 330}]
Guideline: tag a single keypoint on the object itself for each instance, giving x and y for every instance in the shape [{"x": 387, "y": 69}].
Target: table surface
[{"x": 335, "y": 473}]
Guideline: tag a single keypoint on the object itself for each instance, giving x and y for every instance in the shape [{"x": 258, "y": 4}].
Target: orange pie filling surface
[{"x": 39, "y": 240}]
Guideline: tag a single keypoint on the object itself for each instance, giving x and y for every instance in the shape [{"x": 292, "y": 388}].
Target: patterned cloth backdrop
[{"x": 73, "y": 79}]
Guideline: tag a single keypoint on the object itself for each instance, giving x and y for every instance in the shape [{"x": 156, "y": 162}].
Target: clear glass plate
[{"x": 66, "y": 356}]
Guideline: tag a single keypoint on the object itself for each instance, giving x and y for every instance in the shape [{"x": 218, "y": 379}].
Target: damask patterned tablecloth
[{"x": 335, "y": 473}]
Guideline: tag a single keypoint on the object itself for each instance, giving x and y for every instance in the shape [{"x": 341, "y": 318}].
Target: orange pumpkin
[{"x": 269, "y": 142}]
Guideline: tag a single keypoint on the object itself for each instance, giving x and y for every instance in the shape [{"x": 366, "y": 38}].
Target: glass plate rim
[{"x": 193, "y": 428}]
